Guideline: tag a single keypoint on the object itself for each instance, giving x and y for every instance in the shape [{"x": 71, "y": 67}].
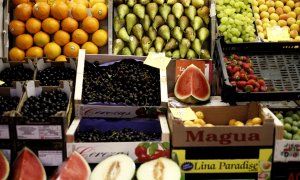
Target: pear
[
  {"x": 164, "y": 32},
  {"x": 146, "y": 22},
  {"x": 126, "y": 51},
  {"x": 206, "y": 19},
  {"x": 122, "y": 10},
  {"x": 146, "y": 44},
  {"x": 184, "y": 46},
  {"x": 118, "y": 2},
  {"x": 203, "y": 12},
  {"x": 118, "y": 46},
  {"x": 152, "y": 9},
  {"x": 198, "y": 3},
  {"x": 157, "y": 22},
  {"x": 197, "y": 23},
  {"x": 203, "y": 34},
  {"x": 152, "y": 33},
  {"x": 196, "y": 45},
  {"x": 159, "y": 43},
  {"x": 171, "y": 44},
  {"x": 159, "y": 1},
  {"x": 139, "y": 51},
  {"x": 191, "y": 54},
  {"x": 131, "y": 3},
  {"x": 164, "y": 11},
  {"x": 171, "y": 2},
  {"x": 190, "y": 12},
  {"x": 144, "y": 2},
  {"x": 130, "y": 20},
  {"x": 139, "y": 10},
  {"x": 177, "y": 33},
  {"x": 177, "y": 10},
  {"x": 133, "y": 43},
  {"x": 204, "y": 54},
  {"x": 152, "y": 49},
  {"x": 118, "y": 23},
  {"x": 138, "y": 31},
  {"x": 183, "y": 22},
  {"x": 185, "y": 3},
  {"x": 169, "y": 54},
  {"x": 176, "y": 54},
  {"x": 122, "y": 34},
  {"x": 171, "y": 21},
  {"x": 190, "y": 34}
]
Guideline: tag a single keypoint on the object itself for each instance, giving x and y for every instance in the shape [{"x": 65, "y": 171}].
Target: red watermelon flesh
[
  {"x": 4, "y": 167},
  {"x": 74, "y": 168},
  {"x": 192, "y": 86},
  {"x": 27, "y": 166}
]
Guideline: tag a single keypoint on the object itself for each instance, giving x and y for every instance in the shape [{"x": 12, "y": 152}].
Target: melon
[
  {"x": 191, "y": 86},
  {"x": 4, "y": 166},
  {"x": 75, "y": 168},
  {"x": 28, "y": 166}
]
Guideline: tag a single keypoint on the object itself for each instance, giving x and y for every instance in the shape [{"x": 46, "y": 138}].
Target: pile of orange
[{"x": 43, "y": 30}]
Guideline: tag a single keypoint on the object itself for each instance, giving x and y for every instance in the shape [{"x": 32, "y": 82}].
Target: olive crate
[
  {"x": 113, "y": 110},
  {"x": 277, "y": 63}
]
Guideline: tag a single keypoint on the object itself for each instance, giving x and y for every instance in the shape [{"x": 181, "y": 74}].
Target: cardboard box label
[
  {"x": 39, "y": 132},
  {"x": 7, "y": 154},
  {"x": 287, "y": 150},
  {"x": 51, "y": 158},
  {"x": 4, "y": 132}
]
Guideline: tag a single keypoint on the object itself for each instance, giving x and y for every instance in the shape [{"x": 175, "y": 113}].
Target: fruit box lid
[
  {"x": 4, "y": 63},
  {"x": 43, "y": 64}
]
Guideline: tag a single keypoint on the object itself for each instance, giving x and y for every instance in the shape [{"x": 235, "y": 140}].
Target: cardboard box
[
  {"x": 9, "y": 149},
  {"x": 286, "y": 170},
  {"x": 95, "y": 152},
  {"x": 222, "y": 134},
  {"x": 109, "y": 111}
]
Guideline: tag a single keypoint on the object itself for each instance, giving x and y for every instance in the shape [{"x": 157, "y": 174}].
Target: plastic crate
[{"x": 277, "y": 63}]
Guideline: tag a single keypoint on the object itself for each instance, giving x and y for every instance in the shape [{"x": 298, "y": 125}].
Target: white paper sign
[
  {"x": 287, "y": 150},
  {"x": 39, "y": 132},
  {"x": 4, "y": 132},
  {"x": 51, "y": 158}
]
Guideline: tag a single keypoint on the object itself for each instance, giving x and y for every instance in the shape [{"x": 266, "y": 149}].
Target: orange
[
  {"x": 41, "y": 10},
  {"x": 41, "y": 39},
  {"x": 17, "y": 2},
  {"x": 50, "y": 25},
  {"x": 84, "y": 2},
  {"x": 24, "y": 41},
  {"x": 23, "y": 11},
  {"x": 79, "y": 36},
  {"x": 59, "y": 10},
  {"x": 90, "y": 24},
  {"x": 99, "y": 11},
  {"x": 93, "y": 2},
  {"x": 100, "y": 37},
  {"x": 71, "y": 49},
  {"x": 79, "y": 12},
  {"x": 61, "y": 37},
  {"x": 16, "y": 27},
  {"x": 33, "y": 25},
  {"x": 90, "y": 48},
  {"x": 52, "y": 50},
  {"x": 61, "y": 58},
  {"x": 16, "y": 54},
  {"x": 34, "y": 52},
  {"x": 69, "y": 25}
]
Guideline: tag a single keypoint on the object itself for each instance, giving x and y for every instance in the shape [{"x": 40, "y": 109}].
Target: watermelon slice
[
  {"x": 28, "y": 166},
  {"x": 74, "y": 168},
  {"x": 4, "y": 166},
  {"x": 192, "y": 86}
]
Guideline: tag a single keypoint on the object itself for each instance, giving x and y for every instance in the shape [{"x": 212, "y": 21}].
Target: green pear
[
  {"x": 139, "y": 10},
  {"x": 184, "y": 46},
  {"x": 206, "y": 20},
  {"x": 133, "y": 43},
  {"x": 171, "y": 44},
  {"x": 177, "y": 33},
  {"x": 139, "y": 51},
  {"x": 159, "y": 43},
  {"x": 183, "y": 22},
  {"x": 131, "y": 3},
  {"x": 190, "y": 34},
  {"x": 164, "y": 32},
  {"x": 204, "y": 54},
  {"x": 130, "y": 20},
  {"x": 171, "y": 21},
  {"x": 164, "y": 11},
  {"x": 196, "y": 45},
  {"x": 118, "y": 46},
  {"x": 197, "y": 23},
  {"x": 157, "y": 22},
  {"x": 190, "y": 12},
  {"x": 152, "y": 49},
  {"x": 146, "y": 22},
  {"x": 152, "y": 9},
  {"x": 146, "y": 44},
  {"x": 126, "y": 51},
  {"x": 138, "y": 31},
  {"x": 122, "y": 34},
  {"x": 185, "y": 3},
  {"x": 159, "y": 1},
  {"x": 176, "y": 54},
  {"x": 171, "y": 2},
  {"x": 144, "y": 2},
  {"x": 198, "y": 3},
  {"x": 122, "y": 10},
  {"x": 152, "y": 33},
  {"x": 191, "y": 54},
  {"x": 203, "y": 34},
  {"x": 177, "y": 10},
  {"x": 203, "y": 12},
  {"x": 168, "y": 54},
  {"x": 118, "y": 23}
]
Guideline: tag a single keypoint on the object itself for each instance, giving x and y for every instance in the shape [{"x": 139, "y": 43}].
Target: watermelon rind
[{"x": 5, "y": 165}]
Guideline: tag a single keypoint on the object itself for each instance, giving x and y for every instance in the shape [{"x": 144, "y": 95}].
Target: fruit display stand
[
  {"x": 113, "y": 110},
  {"x": 141, "y": 139}
]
